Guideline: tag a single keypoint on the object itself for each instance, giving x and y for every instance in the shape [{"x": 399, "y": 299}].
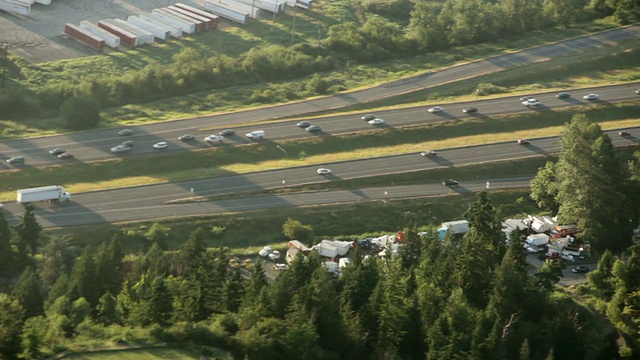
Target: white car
[
  {"x": 120, "y": 149},
  {"x": 281, "y": 267},
  {"x": 312, "y": 128},
  {"x": 531, "y": 102},
  {"x": 324, "y": 171},
  {"x": 160, "y": 145},
  {"x": 275, "y": 255},
  {"x": 213, "y": 139},
  {"x": 265, "y": 251},
  {"x": 376, "y": 121},
  {"x": 591, "y": 96},
  {"x": 428, "y": 153},
  {"x": 532, "y": 249},
  {"x": 436, "y": 109}
]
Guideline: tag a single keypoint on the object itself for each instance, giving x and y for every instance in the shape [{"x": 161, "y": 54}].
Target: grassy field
[
  {"x": 136, "y": 354},
  {"x": 241, "y": 159}
]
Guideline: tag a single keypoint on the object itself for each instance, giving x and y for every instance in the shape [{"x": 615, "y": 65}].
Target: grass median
[{"x": 125, "y": 172}]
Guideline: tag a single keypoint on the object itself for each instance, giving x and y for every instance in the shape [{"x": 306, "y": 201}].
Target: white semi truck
[{"x": 44, "y": 193}]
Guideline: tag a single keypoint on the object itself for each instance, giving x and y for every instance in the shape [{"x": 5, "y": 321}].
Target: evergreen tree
[
  {"x": 109, "y": 272},
  {"x": 83, "y": 278},
  {"x": 11, "y": 321},
  {"x": 544, "y": 188},
  {"x": 57, "y": 259},
  {"x": 6, "y": 252},
  {"x": 160, "y": 302},
  {"x": 61, "y": 287},
  {"x": 80, "y": 311},
  {"x": 154, "y": 261},
  {"x": 27, "y": 232},
  {"x": 233, "y": 291},
  {"x": 254, "y": 286},
  {"x": 394, "y": 311},
  {"x": 106, "y": 309},
  {"x": 593, "y": 187},
  {"x": 27, "y": 292},
  {"x": 192, "y": 254},
  {"x": 602, "y": 277},
  {"x": 32, "y": 337}
]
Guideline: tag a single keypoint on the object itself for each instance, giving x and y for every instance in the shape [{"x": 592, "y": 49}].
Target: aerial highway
[
  {"x": 170, "y": 199},
  {"x": 96, "y": 145}
]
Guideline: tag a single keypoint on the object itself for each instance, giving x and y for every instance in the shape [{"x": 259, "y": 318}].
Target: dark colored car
[
  {"x": 563, "y": 95},
  {"x": 469, "y": 110},
  {"x": 128, "y": 143},
  {"x": 56, "y": 151},
  {"x": 580, "y": 270},
  {"x": 186, "y": 137},
  {"x": 16, "y": 160},
  {"x": 523, "y": 142},
  {"x": 450, "y": 182},
  {"x": 226, "y": 132},
  {"x": 624, "y": 133},
  {"x": 368, "y": 117}
]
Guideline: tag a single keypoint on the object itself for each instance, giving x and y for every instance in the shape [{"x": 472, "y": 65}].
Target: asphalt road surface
[
  {"x": 92, "y": 146},
  {"x": 163, "y": 200}
]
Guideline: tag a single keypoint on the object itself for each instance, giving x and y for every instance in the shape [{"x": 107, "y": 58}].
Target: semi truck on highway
[{"x": 44, "y": 193}]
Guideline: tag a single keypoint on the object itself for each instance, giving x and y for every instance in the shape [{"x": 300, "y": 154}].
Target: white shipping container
[
  {"x": 110, "y": 40},
  {"x": 226, "y": 13},
  {"x": 130, "y": 39},
  {"x": 157, "y": 31},
  {"x": 145, "y": 36},
  {"x": 44, "y": 2},
  {"x": 187, "y": 27},
  {"x": 174, "y": 29},
  {"x": 28, "y": 2},
  {"x": 266, "y": 5},
  {"x": 204, "y": 20},
  {"x": 15, "y": 7},
  {"x": 200, "y": 25},
  {"x": 197, "y": 11}
]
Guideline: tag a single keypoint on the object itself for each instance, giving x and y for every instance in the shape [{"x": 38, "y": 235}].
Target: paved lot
[{"x": 40, "y": 36}]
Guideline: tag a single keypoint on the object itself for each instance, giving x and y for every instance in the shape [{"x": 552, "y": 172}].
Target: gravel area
[{"x": 40, "y": 36}]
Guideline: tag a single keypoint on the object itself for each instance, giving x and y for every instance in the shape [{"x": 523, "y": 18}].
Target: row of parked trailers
[
  {"x": 20, "y": 7},
  {"x": 144, "y": 28}
]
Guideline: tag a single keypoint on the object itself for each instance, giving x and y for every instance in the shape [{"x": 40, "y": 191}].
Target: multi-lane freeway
[
  {"x": 86, "y": 147},
  {"x": 168, "y": 200},
  {"x": 94, "y": 145}
]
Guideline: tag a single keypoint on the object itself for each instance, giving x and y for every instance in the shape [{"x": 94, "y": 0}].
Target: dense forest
[
  {"x": 470, "y": 297},
  {"x": 365, "y": 31}
]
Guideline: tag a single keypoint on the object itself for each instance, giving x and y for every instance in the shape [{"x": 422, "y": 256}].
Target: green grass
[
  {"x": 241, "y": 159},
  {"x": 136, "y": 354}
]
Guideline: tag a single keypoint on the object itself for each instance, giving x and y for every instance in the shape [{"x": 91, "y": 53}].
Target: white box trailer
[
  {"x": 110, "y": 40},
  {"x": 28, "y": 2},
  {"x": 146, "y": 37},
  {"x": 44, "y": 2},
  {"x": 157, "y": 31},
  {"x": 14, "y": 7},
  {"x": 126, "y": 37},
  {"x": 200, "y": 25},
  {"x": 267, "y": 5},
  {"x": 232, "y": 10},
  {"x": 174, "y": 29},
  {"x": 211, "y": 16},
  {"x": 45, "y": 193},
  {"x": 537, "y": 239},
  {"x": 206, "y": 22},
  {"x": 185, "y": 26}
]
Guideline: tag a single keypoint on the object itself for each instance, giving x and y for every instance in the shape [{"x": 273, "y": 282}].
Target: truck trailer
[{"x": 52, "y": 193}]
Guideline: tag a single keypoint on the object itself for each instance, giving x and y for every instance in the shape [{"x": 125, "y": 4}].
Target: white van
[{"x": 257, "y": 134}]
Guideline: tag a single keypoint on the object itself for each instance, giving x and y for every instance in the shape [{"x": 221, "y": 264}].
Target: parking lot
[{"x": 40, "y": 36}]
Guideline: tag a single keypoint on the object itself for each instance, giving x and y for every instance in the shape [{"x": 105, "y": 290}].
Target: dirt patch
[{"x": 40, "y": 37}]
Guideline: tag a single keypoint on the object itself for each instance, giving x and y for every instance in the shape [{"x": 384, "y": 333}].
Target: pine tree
[
  {"x": 394, "y": 311},
  {"x": 57, "y": 259},
  {"x": 27, "y": 232},
  {"x": 6, "y": 252},
  {"x": 83, "y": 278},
  {"x": 32, "y": 337},
  {"x": 61, "y": 287},
  {"x": 160, "y": 303},
  {"x": 192, "y": 254},
  {"x": 27, "y": 292},
  {"x": 109, "y": 267},
  {"x": 11, "y": 321},
  {"x": 106, "y": 310},
  {"x": 233, "y": 291}
]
